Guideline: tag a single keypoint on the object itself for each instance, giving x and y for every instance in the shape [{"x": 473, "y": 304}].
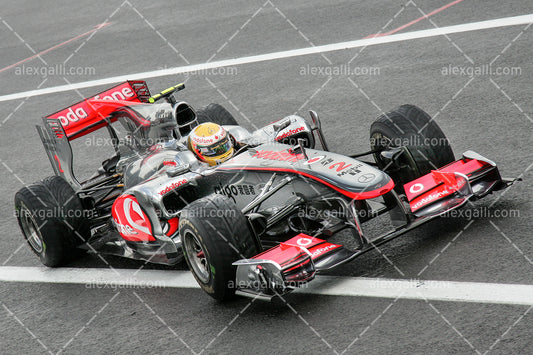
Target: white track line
[
  {"x": 473, "y": 26},
  {"x": 513, "y": 294}
]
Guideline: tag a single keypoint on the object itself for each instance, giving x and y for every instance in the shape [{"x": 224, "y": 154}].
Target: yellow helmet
[{"x": 211, "y": 143}]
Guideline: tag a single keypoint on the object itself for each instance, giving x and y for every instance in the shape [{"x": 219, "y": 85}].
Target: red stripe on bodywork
[{"x": 353, "y": 195}]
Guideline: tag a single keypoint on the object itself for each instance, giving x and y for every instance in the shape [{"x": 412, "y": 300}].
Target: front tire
[
  {"x": 50, "y": 216},
  {"x": 214, "y": 234},
  {"x": 427, "y": 148}
]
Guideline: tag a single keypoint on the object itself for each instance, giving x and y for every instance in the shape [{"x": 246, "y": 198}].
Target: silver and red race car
[{"x": 259, "y": 224}]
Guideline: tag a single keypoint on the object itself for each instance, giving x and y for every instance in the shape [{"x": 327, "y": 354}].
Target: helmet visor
[{"x": 216, "y": 149}]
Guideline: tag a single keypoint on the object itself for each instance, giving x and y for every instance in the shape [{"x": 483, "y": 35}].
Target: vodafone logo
[
  {"x": 203, "y": 140},
  {"x": 82, "y": 110},
  {"x": 304, "y": 242},
  {"x": 290, "y": 133},
  {"x": 172, "y": 186},
  {"x": 416, "y": 188},
  {"x": 431, "y": 198},
  {"x": 72, "y": 116},
  {"x": 121, "y": 94},
  {"x": 315, "y": 159},
  {"x": 323, "y": 250}
]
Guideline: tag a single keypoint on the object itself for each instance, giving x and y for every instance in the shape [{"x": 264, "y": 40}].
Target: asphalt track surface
[{"x": 491, "y": 114}]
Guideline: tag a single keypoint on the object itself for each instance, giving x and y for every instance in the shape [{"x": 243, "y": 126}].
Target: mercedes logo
[{"x": 366, "y": 177}]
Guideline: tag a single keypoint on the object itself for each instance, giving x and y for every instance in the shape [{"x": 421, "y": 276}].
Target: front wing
[{"x": 295, "y": 262}]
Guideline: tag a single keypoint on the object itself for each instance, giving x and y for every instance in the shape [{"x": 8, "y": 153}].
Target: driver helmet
[{"x": 211, "y": 143}]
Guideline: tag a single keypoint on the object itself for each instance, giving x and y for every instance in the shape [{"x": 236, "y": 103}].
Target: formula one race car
[{"x": 259, "y": 222}]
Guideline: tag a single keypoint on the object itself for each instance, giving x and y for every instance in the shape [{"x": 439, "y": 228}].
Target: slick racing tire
[
  {"x": 427, "y": 148},
  {"x": 217, "y": 114},
  {"x": 50, "y": 215},
  {"x": 214, "y": 234}
]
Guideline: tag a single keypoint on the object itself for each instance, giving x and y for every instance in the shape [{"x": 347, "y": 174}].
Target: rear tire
[
  {"x": 217, "y": 114},
  {"x": 409, "y": 126},
  {"x": 51, "y": 218},
  {"x": 212, "y": 241}
]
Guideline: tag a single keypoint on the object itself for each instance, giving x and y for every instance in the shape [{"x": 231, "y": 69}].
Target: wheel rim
[
  {"x": 196, "y": 256},
  {"x": 31, "y": 230}
]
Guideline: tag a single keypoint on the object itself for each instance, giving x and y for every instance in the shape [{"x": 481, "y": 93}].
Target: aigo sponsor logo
[
  {"x": 130, "y": 220},
  {"x": 232, "y": 190}
]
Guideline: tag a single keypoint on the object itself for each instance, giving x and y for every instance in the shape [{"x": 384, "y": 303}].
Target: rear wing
[{"x": 83, "y": 117}]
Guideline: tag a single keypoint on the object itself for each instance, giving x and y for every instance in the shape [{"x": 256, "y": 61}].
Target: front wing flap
[
  {"x": 286, "y": 266},
  {"x": 451, "y": 186}
]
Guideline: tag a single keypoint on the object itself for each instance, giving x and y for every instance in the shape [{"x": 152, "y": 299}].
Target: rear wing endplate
[{"x": 58, "y": 149}]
